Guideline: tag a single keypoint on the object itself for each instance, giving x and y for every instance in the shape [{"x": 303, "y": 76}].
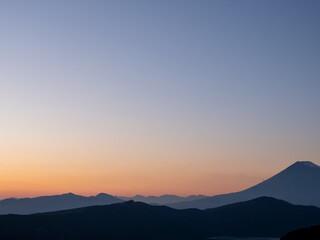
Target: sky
[{"x": 155, "y": 97}]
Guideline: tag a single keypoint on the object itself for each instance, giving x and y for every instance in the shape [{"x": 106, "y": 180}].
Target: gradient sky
[{"x": 154, "y": 97}]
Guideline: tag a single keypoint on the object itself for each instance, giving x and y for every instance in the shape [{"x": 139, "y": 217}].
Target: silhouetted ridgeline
[
  {"x": 70, "y": 201},
  {"x": 312, "y": 233},
  {"x": 297, "y": 184},
  {"x": 266, "y": 217},
  {"x": 53, "y": 203}
]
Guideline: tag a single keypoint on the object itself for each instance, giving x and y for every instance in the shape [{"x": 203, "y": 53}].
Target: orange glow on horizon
[{"x": 128, "y": 168}]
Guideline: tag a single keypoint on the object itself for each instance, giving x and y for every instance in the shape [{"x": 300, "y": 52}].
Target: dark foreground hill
[
  {"x": 312, "y": 233},
  {"x": 261, "y": 217},
  {"x": 128, "y": 220},
  {"x": 297, "y": 184},
  {"x": 265, "y": 217},
  {"x": 53, "y": 203}
]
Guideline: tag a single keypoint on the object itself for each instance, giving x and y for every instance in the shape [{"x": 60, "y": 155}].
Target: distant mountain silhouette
[
  {"x": 297, "y": 184},
  {"x": 264, "y": 216},
  {"x": 312, "y": 233},
  {"x": 53, "y": 203},
  {"x": 162, "y": 200}
]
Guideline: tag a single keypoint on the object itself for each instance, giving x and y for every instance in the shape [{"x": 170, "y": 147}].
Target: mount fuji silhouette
[{"x": 297, "y": 184}]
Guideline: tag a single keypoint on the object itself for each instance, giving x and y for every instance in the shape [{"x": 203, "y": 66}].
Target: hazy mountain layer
[{"x": 53, "y": 203}]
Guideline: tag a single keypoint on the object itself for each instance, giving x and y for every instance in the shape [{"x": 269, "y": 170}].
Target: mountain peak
[
  {"x": 103, "y": 195},
  {"x": 69, "y": 194},
  {"x": 297, "y": 184},
  {"x": 306, "y": 164}
]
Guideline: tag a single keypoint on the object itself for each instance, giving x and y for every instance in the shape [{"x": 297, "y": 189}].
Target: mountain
[
  {"x": 297, "y": 184},
  {"x": 260, "y": 217},
  {"x": 53, "y": 203},
  {"x": 264, "y": 217},
  {"x": 128, "y": 220},
  {"x": 312, "y": 233},
  {"x": 162, "y": 200}
]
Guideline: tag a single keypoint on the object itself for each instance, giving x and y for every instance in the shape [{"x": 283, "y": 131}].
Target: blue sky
[{"x": 203, "y": 84}]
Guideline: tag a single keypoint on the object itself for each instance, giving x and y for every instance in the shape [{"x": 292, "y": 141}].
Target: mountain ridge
[
  {"x": 53, "y": 203},
  {"x": 261, "y": 217},
  {"x": 295, "y": 184}
]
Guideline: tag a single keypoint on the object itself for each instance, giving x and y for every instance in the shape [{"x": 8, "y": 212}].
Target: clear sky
[{"x": 154, "y": 97}]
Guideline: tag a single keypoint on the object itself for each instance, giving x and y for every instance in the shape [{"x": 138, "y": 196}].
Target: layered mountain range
[
  {"x": 297, "y": 184},
  {"x": 53, "y": 203},
  {"x": 261, "y": 217},
  {"x": 269, "y": 209}
]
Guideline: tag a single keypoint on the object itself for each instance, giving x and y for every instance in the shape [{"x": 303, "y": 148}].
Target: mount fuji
[{"x": 298, "y": 184}]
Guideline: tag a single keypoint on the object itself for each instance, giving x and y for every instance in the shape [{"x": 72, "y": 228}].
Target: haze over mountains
[
  {"x": 53, "y": 203},
  {"x": 70, "y": 201},
  {"x": 264, "y": 216},
  {"x": 297, "y": 184}
]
